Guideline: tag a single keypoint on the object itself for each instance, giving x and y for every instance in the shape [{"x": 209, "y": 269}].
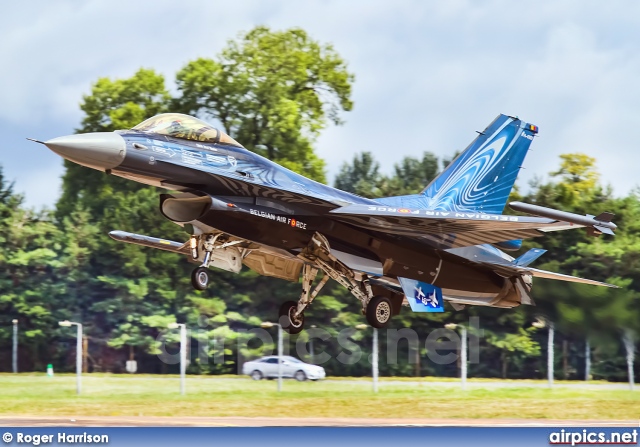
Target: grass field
[{"x": 124, "y": 395}]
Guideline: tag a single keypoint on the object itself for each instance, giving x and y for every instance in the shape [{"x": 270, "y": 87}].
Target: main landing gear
[
  {"x": 317, "y": 256},
  {"x": 379, "y": 311},
  {"x": 292, "y": 313}
]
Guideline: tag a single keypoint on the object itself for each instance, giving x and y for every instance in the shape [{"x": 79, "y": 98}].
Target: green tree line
[{"x": 275, "y": 91}]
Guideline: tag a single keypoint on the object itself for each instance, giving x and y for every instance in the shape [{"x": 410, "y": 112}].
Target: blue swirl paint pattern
[{"x": 481, "y": 178}]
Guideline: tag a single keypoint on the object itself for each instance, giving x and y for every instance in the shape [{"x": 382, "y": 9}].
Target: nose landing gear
[
  {"x": 219, "y": 251},
  {"x": 200, "y": 278}
]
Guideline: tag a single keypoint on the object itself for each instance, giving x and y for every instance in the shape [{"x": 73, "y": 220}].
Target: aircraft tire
[
  {"x": 379, "y": 311},
  {"x": 200, "y": 278},
  {"x": 286, "y": 312}
]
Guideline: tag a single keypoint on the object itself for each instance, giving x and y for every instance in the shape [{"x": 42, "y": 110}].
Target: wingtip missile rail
[{"x": 596, "y": 225}]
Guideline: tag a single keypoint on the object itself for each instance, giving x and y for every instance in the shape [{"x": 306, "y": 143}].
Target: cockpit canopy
[{"x": 177, "y": 125}]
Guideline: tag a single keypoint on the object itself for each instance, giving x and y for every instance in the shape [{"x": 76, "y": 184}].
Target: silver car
[{"x": 267, "y": 367}]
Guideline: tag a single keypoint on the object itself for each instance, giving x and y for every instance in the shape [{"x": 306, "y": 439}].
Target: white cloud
[
  {"x": 428, "y": 74},
  {"x": 41, "y": 186}
]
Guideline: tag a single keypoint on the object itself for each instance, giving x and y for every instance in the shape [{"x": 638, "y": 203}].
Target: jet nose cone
[{"x": 99, "y": 150}]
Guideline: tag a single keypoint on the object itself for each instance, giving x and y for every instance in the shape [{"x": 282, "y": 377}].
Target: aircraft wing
[{"x": 447, "y": 229}]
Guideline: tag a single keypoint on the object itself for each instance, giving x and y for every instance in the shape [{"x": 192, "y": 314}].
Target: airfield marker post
[
  {"x": 463, "y": 356},
  {"x": 67, "y": 323},
  {"x": 539, "y": 324},
  {"x": 183, "y": 354},
  {"x": 374, "y": 356},
  {"x": 279, "y": 358},
  {"x": 550, "y": 355},
  {"x": 587, "y": 360},
  {"x": 311, "y": 354},
  {"x": 628, "y": 341},
  {"x": 374, "y": 362},
  {"x": 267, "y": 325},
  {"x": 463, "y": 351},
  {"x": 14, "y": 356}
]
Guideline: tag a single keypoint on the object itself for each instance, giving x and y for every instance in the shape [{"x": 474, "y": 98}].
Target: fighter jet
[{"x": 239, "y": 208}]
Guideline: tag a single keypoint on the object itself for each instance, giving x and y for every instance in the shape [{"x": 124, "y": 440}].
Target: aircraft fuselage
[{"x": 279, "y": 208}]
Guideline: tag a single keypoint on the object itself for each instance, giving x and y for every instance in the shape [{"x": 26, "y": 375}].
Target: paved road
[
  {"x": 133, "y": 421},
  {"x": 471, "y": 383}
]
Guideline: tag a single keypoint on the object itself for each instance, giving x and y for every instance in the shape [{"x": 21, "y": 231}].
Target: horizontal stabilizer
[
  {"x": 148, "y": 241},
  {"x": 512, "y": 269},
  {"x": 568, "y": 278},
  {"x": 529, "y": 257}
]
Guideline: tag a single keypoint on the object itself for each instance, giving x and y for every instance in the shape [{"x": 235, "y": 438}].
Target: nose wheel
[{"x": 200, "y": 278}]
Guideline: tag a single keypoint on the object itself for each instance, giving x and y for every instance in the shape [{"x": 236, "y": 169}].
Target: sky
[{"x": 428, "y": 74}]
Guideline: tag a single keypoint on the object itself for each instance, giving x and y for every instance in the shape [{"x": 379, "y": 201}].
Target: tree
[
  {"x": 273, "y": 91},
  {"x": 362, "y": 177},
  {"x": 129, "y": 292},
  {"x": 123, "y": 103},
  {"x": 514, "y": 346},
  {"x": 578, "y": 178},
  {"x": 32, "y": 268},
  {"x": 112, "y": 105},
  {"x": 412, "y": 175}
]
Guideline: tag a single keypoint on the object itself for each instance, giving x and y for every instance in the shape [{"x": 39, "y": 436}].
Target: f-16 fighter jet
[{"x": 443, "y": 244}]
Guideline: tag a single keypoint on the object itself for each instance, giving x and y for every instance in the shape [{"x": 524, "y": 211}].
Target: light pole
[
  {"x": 313, "y": 326},
  {"x": 587, "y": 360},
  {"x": 630, "y": 348},
  {"x": 267, "y": 325},
  {"x": 374, "y": 355},
  {"x": 67, "y": 323},
  {"x": 14, "y": 357},
  {"x": 463, "y": 351},
  {"x": 541, "y": 324},
  {"x": 183, "y": 353}
]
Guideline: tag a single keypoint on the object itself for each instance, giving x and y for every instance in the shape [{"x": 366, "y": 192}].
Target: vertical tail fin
[{"x": 482, "y": 176}]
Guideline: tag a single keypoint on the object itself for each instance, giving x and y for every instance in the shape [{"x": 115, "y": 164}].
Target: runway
[{"x": 144, "y": 421}]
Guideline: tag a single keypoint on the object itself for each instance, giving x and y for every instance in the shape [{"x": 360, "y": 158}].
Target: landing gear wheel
[
  {"x": 200, "y": 278},
  {"x": 256, "y": 375},
  {"x": 289, "y": 323},
  {"x": 379, "y": 311},
  {"x": 300, "y": 376}
]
